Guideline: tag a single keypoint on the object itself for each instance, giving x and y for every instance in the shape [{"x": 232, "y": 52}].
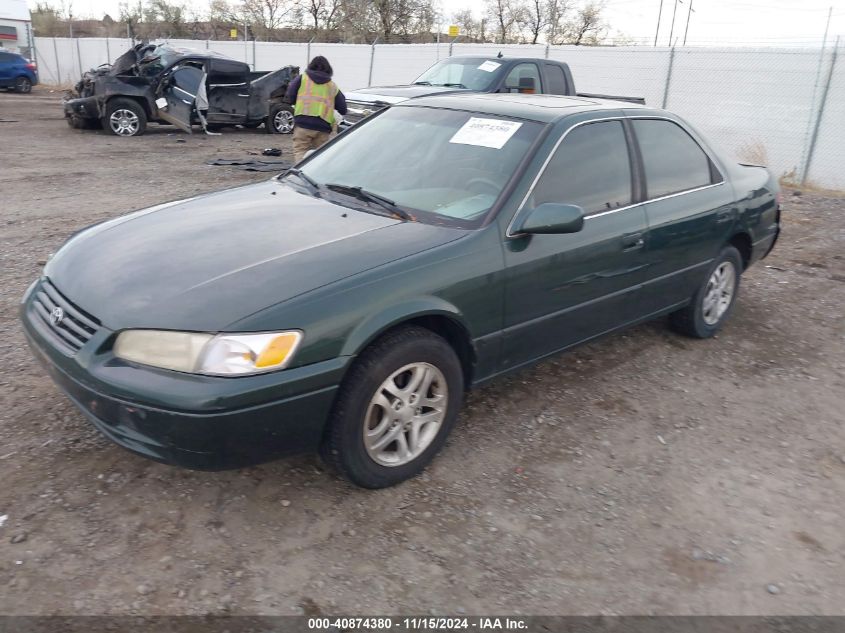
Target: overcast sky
[{"x": 712, "y": 22}]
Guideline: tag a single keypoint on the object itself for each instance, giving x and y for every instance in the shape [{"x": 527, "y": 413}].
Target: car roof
[{"x": 539, "y": 107}]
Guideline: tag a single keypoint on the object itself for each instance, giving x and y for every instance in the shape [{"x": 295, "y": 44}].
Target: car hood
[
  {"x": 396, "y": 94},
  {"x": 203, "y": 263}
]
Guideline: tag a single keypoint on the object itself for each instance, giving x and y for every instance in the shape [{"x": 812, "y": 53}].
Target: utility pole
[
  {"x": 659, "y": 14},
  {"x": 672, "y": 28},
  {"x": 686, "y": 29}
]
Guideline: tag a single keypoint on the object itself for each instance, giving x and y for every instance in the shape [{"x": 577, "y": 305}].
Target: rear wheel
[
  {"x": 713, "y": 302},
  {"x": 395, "y": 408},
  {"x": 23, "y": 85},
  {"x": 280, "y": 119},
  {"x": 125, "y": 117}
]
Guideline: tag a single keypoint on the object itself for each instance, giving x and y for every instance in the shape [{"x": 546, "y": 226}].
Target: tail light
[{"x": 32, "y": 66}]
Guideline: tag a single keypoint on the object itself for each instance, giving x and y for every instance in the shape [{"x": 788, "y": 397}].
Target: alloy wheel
[
  {"x": 719, "y": 293},
  {"x": 405, "y": 414},
  {"x": 124, "y": 122},
  {"x": 283, "y": 122}
]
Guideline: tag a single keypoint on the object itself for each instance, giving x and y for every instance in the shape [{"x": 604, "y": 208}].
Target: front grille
[{"x": 69, "y": 326}]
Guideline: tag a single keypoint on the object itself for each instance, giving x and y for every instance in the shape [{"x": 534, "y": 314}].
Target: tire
[
  {"x": 23, "y": 85},
  {"x": 280, "y": 119},
  {"x": 125, "y": 117},
  {"x": 395, "y": 359},
  {"x": 710, "y": 307}
]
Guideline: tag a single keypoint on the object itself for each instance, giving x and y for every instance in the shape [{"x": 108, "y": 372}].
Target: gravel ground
[{"x": 645, "y": 473}]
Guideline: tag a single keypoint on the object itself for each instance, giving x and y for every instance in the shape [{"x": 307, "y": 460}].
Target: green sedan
[{"x": 346, "y": 305}]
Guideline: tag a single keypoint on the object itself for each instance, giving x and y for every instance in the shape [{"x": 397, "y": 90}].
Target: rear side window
[
  {"x": 6, "y": 57},
  {"x": 556, "y": 80},
  {"x": 590, "y": 168},
  {"x": 673, "y": 161}
]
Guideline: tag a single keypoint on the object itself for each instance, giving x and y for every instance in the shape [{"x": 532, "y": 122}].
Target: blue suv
[{"x": 17, "y": 72}]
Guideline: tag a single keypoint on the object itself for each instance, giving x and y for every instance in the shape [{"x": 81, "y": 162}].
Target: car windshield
[
  {"x": 438, "y": 166},
  {"x": 476, "y": 73}
]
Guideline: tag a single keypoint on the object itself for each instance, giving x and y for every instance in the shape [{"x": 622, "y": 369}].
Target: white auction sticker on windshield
[
  {"x": 489, "y": 66},
  {"x": 485, "y": 132}
]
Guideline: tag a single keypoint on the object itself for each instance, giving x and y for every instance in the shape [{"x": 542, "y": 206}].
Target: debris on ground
[{"x": 251, "y": 164}]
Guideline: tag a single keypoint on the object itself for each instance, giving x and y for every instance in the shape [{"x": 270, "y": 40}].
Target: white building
[{"x": 15, "y": 27}]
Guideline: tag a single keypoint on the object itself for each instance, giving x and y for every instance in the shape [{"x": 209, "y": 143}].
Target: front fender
[{"x": 376, "y": 324}]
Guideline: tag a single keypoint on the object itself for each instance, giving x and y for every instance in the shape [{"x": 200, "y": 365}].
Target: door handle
[
  {"x": 724, "y": 216},
  {"x": 632, "y": 241}
]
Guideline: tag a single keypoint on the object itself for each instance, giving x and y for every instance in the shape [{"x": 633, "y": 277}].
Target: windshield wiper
[
  {"x": 452, "y": 85},
  {"x": 369, "y": 196},
  {"x": 304, "y": 177},
  {"x": 422, "y": 83}
]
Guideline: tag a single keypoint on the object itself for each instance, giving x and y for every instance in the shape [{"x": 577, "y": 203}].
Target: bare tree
[
  {"x": 265, "y": 16},
  {"x": 557, "y": 12},
  {"x": 507, "y": 15},
  {"x": 587, "y": 27},
  {"x": 536, "y": 18}
]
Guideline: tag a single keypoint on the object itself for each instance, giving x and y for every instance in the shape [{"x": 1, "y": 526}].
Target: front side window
[
  {"x": 524, "y": 79},
  {"x": 440, "y": 166},
  {"x": 672, "y": 160},
  {"x": 590, "y": 168}
]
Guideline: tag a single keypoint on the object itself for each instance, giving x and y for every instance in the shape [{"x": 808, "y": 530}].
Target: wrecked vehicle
[{"x": 183, "y": 87}]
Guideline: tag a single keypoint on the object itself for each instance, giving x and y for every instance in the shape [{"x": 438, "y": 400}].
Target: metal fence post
[
  {"x": 547, "y": 50},
  {"x": 108, "y": 51},
  {"x": 668, "y": 77},
  {"x": 56, "y": 56},
  {"x": 78, "y": 56},
  {"x": 822, "y": 102},
  {"x": 372, "y": 58},
  {"x": 308, "y": 52}
]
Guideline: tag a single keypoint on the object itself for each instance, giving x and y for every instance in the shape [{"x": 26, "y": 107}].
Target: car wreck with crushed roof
[{"x": 182, "y": 87}]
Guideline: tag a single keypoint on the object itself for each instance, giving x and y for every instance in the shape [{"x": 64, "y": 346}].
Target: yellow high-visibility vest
[{"x": 313, "y": 99}]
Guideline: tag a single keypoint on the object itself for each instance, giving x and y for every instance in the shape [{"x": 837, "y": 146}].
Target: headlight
[{"x": 221, "y": 355}]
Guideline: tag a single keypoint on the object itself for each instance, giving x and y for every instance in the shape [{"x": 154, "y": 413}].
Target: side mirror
[
  {"x": 551, "y": 218},
  {"x": 308, "y": 153}
]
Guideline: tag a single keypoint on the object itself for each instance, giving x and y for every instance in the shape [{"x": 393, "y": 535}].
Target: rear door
[
  {"x": 563, "y": 289},
  {"x": 7, "y": 63},
  {"x": 690, "y": 210},
  {"x": 227, "y": 87},
  {"x": 177, "y": 94}
]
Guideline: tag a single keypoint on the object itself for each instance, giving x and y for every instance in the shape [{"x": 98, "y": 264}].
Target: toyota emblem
[{"x": 57, "y": 315}]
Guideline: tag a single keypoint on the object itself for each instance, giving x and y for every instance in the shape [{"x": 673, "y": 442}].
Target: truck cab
[{"x": 522, "y": 75}]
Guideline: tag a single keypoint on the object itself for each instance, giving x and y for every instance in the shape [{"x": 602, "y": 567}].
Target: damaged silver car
[{"x": 182, "y": 87}]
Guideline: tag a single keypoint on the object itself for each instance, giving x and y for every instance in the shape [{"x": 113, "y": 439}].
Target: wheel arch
[
  {"x": 741, "y": 241},
  {"x": 433, "y": 314},
  {"x": 137, "y": 99}
]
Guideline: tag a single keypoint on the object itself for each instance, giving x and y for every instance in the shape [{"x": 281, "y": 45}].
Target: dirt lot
[{"x": 645, "y": 473}]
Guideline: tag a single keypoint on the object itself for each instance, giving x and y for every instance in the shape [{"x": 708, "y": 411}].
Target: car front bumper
[
  {"x": 198, "y": 422},
  {"x": 83, "y": 107}
]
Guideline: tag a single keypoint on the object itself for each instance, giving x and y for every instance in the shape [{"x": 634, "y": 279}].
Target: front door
[
  {"x": 564, "y": 289},
  {"x": 177, "y": 95}
]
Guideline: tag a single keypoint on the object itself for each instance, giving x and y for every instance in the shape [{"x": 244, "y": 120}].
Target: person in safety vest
[{"x": 315, "y": 97}]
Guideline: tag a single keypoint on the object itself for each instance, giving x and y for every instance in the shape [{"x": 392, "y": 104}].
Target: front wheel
[
  {"x": 713, "y": 302},
  {"x": 280, "y": 119},
  {"x": 395, "y": 408}
]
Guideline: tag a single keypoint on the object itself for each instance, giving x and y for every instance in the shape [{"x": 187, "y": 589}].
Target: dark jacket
[{"x": 315, "y": 122}]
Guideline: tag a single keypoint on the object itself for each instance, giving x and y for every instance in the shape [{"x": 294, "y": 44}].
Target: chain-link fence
[{"x": 781, "y": 107}]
